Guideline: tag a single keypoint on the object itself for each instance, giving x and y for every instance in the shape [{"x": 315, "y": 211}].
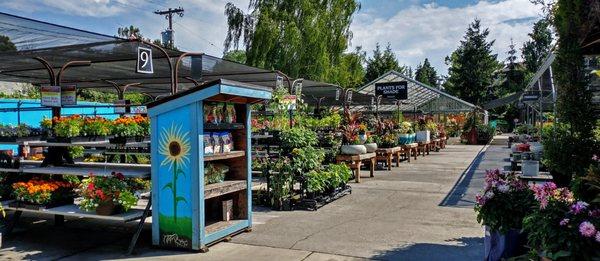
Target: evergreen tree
[
  {"x": 472, "y": 65},
  {"x": 538, "y": 47},
  {"x": 426, "y": 74},
  {"x": 515, "y": 77},
  {"x": 6, "y": 44},
  {"x": 382, "y": 62},
  {"x": 303, "y": 38}
]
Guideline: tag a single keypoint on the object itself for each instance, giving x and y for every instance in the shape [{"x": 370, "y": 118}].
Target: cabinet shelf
[
  {"x": 224, "y": 126},
  {"x": 225, "y": 187},
  {"x": 222, "y": 156},
  {"x": 221, "y": 225}
]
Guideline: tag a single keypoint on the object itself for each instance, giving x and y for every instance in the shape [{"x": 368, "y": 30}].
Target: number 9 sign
[{"x": 144, "y": 61}]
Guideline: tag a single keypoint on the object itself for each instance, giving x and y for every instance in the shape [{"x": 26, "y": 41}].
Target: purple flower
[
  {"x": 594, "y": 213},
  {"x": 564, "y": 222},
  {"x": 587, "y": 229},
  {"x": 598, "y": 236},
  {"x": 579, "y": 207}
]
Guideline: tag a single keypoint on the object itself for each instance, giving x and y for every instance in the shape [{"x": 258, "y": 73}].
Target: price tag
[
  {"x": 144, "y": 61},
  {"x": 68, "y": 95}
]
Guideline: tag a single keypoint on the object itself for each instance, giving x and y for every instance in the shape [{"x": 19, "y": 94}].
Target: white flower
[
  {"x": 489, "y": 194},
  {"x": 503, "y": 188}
]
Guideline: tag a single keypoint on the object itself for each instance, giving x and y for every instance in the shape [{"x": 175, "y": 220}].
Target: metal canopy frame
[{"x": 421, "y": 97}]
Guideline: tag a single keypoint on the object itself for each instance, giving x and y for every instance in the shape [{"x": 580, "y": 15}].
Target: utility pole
[{"x": 167, "y": 36}]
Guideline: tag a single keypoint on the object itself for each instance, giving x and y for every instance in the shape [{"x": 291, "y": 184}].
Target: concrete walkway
[{"x": 418, "y": 211}]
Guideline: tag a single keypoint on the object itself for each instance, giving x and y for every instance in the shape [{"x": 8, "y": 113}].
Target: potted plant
[
  {"x": 21, "y": 132},
  {"x": 106, "y": 195},
  {"x": 66, "y": 129},
  {"x": 423, "y": 135},
  {"x": 405, "y": 133},
  {"x": 501, "y": 207},
  {"x": 387, "y": 140},
  {"x": 562, "y": 227},
  {"x": 351, "y": 143},
  {"x": 362, "y": 133},
  {"x": 370, "y": 144},
  {"x": 38, "y": 194},
  {"x": 128, "y": 129},
  {"x": 95, "y": 128}
]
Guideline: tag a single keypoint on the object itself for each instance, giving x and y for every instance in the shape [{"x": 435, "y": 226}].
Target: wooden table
[
  {"x": 411, "y": 148},
  {"x": 355, "y": 162},
  {"x": 436, "y": 144},
  {"x": 386, "y": 154},
  {"x": 423, "y": 147}
]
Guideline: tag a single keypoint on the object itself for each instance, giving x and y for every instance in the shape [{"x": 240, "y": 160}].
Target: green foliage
[
  {"x": 76, "y": 151},
  {"x": 574, "y": 106},
  {"x": 538, "y": 47},
  {"x": 306, "y": 159},
  {"x": 350, "y": 72},
  {"x": 297, "y": 138},
  {"x": 235, "y": 56},
  {"x": 381, "y": 62},
  {"x": 527, "y": 129},
  {"x": 426, "y": 74},
  {"x": 333, "y": 177},
  {"x": 6, "y": 44},
  {"x": 472, "y": 65},
  {"x": 304, "y": 38},
  {"x": 24, "y": 91}
]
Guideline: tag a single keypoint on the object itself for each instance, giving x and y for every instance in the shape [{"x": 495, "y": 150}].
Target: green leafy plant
[
  {"x": 95, "y": 126},
  {"x": 67, "y": 127},
  {"x": 306, "y": 159},
  {"x": 297, "y": 138}
]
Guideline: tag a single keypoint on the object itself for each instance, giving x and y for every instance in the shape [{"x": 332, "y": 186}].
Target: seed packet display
[
  {"x": 218, "y": 143},
  {"x": 230, "y": 113},
  {"x": 226, "y": 138},
  {"x": 209, "y": 116},
  {"x": 208, "y": 144}
]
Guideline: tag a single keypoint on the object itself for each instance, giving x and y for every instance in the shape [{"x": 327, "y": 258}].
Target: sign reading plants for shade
[
  {"x": 68, "y": 95},
  {"x": 50, "y": 96},
  {"x": 392, "y": 90},
  {"x": 144, "y": 61}
]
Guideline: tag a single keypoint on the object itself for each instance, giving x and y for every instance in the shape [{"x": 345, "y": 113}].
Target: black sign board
[
  {"x": 530, "y": 97},
  {"x": 144, "y": 61},
  {"x": 392, "y": 90}
]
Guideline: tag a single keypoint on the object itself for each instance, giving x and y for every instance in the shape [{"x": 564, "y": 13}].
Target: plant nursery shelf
[
  {"x": 73, "y": 210},
  {"x": 225, "y": 187},
  {"x": 220, "y": 225},
  {"x": 228, "y": 155},
  {"x": 85, "y": 168},
  {"x": 224, "y": 126}
]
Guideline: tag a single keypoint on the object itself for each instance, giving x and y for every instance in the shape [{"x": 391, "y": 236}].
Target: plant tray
[
  {"x": 20, "y": 139},
  {"x": 320, "y": 201},
  {"x": 124, "y": 140},
  {"x": 33, "y": 206},
  {"x": 76, "y": 139}
]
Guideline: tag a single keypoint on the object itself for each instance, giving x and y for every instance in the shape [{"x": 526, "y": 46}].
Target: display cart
[{"x": 187, "y": 213}]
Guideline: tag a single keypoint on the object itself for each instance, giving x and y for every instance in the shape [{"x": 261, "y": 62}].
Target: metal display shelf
[{"x": 72, "y": 210}]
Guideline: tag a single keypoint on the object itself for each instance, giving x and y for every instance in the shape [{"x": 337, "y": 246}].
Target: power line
[{"x": 198, "y": 36}]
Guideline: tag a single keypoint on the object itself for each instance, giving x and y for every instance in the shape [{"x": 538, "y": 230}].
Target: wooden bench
[
  {"x": 355, "y": 162},
  {"x": 386, "y": 154},
  {"x": 423, "y": 147},
  {"x": 436, "y": 145},
  {"x": 410, "y": 149}
]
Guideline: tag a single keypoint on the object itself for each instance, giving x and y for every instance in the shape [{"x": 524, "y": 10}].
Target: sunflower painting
[{"x": 174, "y": 146}]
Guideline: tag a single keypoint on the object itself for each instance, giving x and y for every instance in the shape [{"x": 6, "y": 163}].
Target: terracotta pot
[{"x": 106, "y": 208}]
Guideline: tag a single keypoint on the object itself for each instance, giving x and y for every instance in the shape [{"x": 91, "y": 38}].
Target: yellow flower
[{"x": 175, "y": 146}]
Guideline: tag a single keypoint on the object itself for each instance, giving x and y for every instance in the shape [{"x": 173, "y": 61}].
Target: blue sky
[{"x": 415, "y": 29}]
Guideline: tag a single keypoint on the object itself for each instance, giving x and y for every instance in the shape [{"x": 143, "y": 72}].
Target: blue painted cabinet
[{"x": 186, "y": 213}]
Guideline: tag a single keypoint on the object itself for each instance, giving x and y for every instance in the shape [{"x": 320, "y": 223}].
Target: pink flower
[
  {"x": 579, "y": 207},
  {"x": 598, "y": 236},
  {"x": 587, "y": 229},
  {"x": 564, "y": 222}
]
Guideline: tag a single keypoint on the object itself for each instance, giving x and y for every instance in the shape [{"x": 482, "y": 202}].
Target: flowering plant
[
  {"x": 562, "y": 227},
  {"x": 388, "y": 140},
  {"x": 406, "y": 127},
  {"x": 42, "y": 192},
  {"x": 66, "y": 127},
  {"x": 95, "y": 126},
  {"x": 362, "y": 128},
  {"x": 101, "y": 190},
  {"x": 130, "y": 126},
  {"x": 504, "y": 201},
  {"x": 21, "y": 130}
]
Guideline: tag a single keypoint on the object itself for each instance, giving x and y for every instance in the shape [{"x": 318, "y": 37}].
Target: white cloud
[{"x": 433, "y": 31}]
